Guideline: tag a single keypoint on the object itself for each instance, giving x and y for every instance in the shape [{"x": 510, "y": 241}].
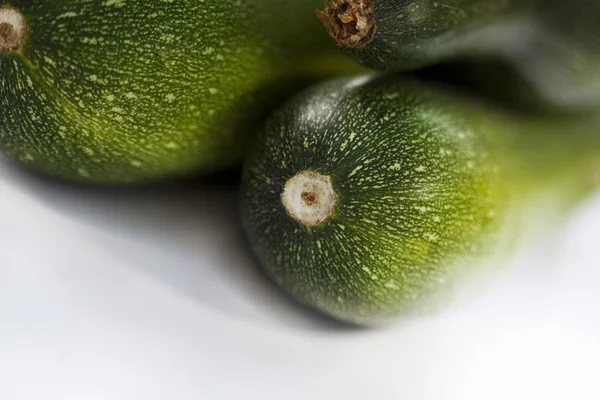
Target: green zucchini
[
  {"x": 551, "y": 42},
  {"x": 126, "y": 91},
  {"x": 371, "y": 197}
]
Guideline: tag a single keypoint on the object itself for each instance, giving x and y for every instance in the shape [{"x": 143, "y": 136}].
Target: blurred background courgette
[{"x": 553, "y": 43}]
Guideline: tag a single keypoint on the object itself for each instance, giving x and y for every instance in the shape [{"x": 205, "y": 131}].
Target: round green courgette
[
  {"x": 136, "y": 90},
  {"x": 370, "y": 197},
  {"x": 551, "y": 42}
]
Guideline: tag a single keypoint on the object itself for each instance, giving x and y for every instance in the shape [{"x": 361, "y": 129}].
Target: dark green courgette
[
  {"x": 409, "y": 34},
  {"x": 551, "y": 42},
  {"x": 121, "y": 91},
  {"x": 366, "y": 198}
]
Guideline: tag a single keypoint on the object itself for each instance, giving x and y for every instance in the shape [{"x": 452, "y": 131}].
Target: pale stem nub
[
  {"x": 13, "y": 29},
  {"x": 309, "y": 198}
]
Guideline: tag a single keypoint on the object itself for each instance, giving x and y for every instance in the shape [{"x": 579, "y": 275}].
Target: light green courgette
[{"x": 135, "y": 90}]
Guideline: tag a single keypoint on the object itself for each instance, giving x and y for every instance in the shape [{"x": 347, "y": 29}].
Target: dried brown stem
[{"x": 350, "y": 22}]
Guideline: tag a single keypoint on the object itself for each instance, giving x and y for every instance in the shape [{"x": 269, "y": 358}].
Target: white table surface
[{"x": 151, "y": 294}]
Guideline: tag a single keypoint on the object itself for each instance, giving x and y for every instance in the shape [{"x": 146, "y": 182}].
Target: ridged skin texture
[
  {"x": 430, "y": 185},
  {"x": 555, "y": 44},
  {"x": 121, "y": 91}
]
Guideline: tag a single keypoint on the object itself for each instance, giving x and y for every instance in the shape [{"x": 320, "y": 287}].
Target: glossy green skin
[
  {"x": 126, "y": 91},
  {"x": 430, "y": 186},
  {"x": 553, "y": 43}
]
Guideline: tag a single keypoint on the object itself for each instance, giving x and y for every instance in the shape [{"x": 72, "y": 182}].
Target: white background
[{"x": 151, "y": 294}]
